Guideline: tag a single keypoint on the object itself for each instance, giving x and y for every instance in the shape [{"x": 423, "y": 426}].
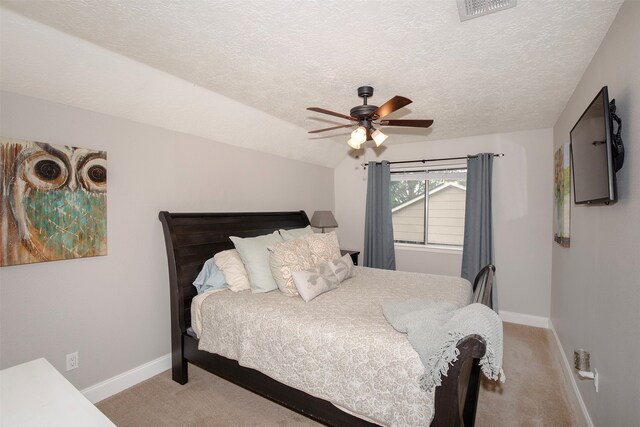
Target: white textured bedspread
[{"x": 338, "y": 347}]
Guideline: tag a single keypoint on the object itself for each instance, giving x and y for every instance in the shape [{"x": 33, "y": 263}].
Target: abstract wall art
[
  {"x": 562, "y": 196},
  {"x": 53, "y": 202}
]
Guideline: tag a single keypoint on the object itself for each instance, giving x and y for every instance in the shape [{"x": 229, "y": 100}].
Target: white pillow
[
  {"x": 255, "y": 256},
  {"x": 295, "y": 233},
  {"x": 232, "y": 268},
  {"x": 323, "y": 277},
  {"x": 287, "y": 257},
  {"x": 324, "y": 247}
]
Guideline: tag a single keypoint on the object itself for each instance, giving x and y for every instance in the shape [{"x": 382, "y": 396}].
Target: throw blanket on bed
[{"x": 434, "y": 330}]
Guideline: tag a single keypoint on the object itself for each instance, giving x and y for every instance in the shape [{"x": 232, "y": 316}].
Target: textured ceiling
[{"x": 508, "y": 71}]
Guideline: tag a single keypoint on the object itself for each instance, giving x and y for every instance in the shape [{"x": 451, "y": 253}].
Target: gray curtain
[
  {"x": 379, "y": 251},
  {"x": 478, "y": 227}
]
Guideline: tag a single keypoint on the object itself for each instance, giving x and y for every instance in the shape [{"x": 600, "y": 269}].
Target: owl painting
[{"x": 53, "y": 202}]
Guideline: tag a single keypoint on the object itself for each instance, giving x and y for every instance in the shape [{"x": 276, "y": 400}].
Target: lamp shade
[
  {"x": 323, "y": 219},
  {"x": 353, "y": 145},
  {"x": 378, "y": 137},
  {"x": 359, "y": 135}
]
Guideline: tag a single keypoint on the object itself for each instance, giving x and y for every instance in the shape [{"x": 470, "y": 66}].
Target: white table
[{"x": 36, "y": 394}]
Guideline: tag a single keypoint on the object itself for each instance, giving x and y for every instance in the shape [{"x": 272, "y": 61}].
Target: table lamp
[{"x": 323, "y": 219}]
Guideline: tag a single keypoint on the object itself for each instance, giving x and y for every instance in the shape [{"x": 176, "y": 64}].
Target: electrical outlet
[{"x": 72, "y": 361}]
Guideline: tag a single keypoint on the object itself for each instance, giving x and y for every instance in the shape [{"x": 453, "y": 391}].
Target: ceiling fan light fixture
[
  {"x": 365, "y": 115},
  {"x": 378, "y": 137},
  {"x": 359, "y": 135},
  {"x": 353, "y": 144}
]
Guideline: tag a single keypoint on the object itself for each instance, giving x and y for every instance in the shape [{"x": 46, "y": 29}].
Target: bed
[{"x": 192, "y": 238}]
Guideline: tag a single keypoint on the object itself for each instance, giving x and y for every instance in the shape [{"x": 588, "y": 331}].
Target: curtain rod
[{"x": 436, "y": 160}]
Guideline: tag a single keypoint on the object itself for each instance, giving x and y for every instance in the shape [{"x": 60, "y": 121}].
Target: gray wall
[
  {"x": 595, "y": 298},
  {"x": 114, "y": 310}
]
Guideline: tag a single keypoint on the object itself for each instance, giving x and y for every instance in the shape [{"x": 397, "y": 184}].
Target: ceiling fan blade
[
  {"x": 407, "y": 123},
  {"x": 390, "y": 106},
  {"x": 331, "y": 113},
  {"x": 332, "y": 128}
]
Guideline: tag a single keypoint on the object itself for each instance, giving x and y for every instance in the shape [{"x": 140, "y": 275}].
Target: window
[{"x": 427, "y": 206}]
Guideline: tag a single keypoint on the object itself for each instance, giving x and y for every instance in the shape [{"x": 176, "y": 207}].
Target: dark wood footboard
[
  {"x": 192, "y": 238},
  {"x": 456, "y": 399}
]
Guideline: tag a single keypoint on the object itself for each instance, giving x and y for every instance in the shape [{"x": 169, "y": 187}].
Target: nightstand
[{"x": 354, "y": 255}]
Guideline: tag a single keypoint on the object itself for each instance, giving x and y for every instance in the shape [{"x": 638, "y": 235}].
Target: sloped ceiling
[{"x": 508, "y": 71}]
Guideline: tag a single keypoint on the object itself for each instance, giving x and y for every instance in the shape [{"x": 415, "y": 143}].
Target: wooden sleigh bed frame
[{"x": 192, "y": 238}]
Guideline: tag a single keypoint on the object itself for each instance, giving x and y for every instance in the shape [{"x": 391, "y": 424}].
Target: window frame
[{"x": 428, "y": 247}]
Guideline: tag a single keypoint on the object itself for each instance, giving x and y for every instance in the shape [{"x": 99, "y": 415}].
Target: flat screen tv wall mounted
[{"x": 597, "y": 152}]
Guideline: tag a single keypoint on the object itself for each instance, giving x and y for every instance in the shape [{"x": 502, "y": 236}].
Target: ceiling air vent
[{"x": 469, "y": 9}]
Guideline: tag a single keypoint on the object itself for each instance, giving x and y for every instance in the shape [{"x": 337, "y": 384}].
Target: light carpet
[{"x": 535, "y": 394}]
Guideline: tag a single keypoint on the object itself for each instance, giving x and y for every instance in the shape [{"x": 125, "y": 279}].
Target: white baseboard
[
  {"x": 572, "y": 379},
  {"x": 524, "y": 319},
  {"x": 111, "y": 386}
]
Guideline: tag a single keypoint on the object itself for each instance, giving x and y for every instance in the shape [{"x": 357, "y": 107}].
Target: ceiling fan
[{"x": 365, "y": 116}]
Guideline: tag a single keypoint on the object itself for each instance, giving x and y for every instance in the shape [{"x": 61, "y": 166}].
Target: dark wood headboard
[{"x": 193, "y": 238}]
